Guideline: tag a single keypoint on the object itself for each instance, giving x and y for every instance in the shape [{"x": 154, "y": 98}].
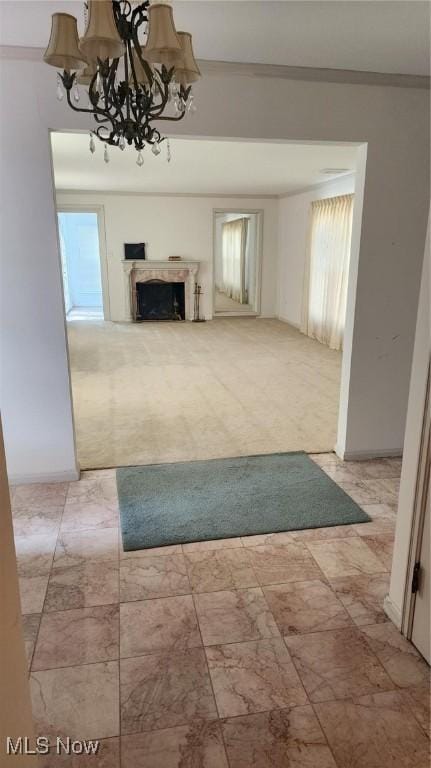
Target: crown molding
[
  {"x": 125, "y": 193},
  {"x": 230, "y": 68},
  {"x": 314, "y": 74},
  {"x": 21, "y": 53},
  {"x": 319, "y": 185}
]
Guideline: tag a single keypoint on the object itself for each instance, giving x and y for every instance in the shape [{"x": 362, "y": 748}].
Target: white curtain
[
  {"x": 327, "y": 270},
  {"x": 234, "y": 239}
]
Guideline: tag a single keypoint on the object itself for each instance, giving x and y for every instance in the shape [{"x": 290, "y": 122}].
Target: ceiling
[
  {"x": 198, "y": 167},
  {"x": 375, "y": 35}
]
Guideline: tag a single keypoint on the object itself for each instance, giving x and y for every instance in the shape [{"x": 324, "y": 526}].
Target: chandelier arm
[
  {"x": 114, "y": 103},
  {"x": 120, "y": 14},
  {"x": 150, "y": 73},
  {"x": 156, "y": 79},
  {"x": 132, "y": 66},
  {"x": 126, "y": 81},
  {"x": 127, "y": 7},
  {"x": 91, "y": 90},
  {"x": 141, "y": 11},
  {"x": 156, "y": 110},
  {"x": 172, "y": 119},
  {"x": 111, "y": 139},
  {"x": 100, "y": 121},
  {"x": 134, "y": 113},
  {"x": 113, "y": 73},
  {"x": 139, "y": 16},
  {"x": 134, "y": 106},
  {"x": 94, "y": 111},
  {"x": 117, "y": 113},
  {"x": 98, "y": 114},
  {"x": 108, "y": 84}
]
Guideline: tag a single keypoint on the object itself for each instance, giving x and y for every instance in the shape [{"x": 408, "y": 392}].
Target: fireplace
[
  {"x": 159, "y": 273},
  {"x": 159, "y": 300}
]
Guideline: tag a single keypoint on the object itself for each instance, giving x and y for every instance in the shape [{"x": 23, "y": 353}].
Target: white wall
[
  {"x": 35, "y": 388},
  {"x": 294, "y": 216},
  {"x": 180, "y": 226},
  {"x": 412, "y": 446},
  {"x": 393, "y": 121}
]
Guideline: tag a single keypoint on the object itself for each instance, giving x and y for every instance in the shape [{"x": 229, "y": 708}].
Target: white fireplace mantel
[{"x": 140, "y": 270}]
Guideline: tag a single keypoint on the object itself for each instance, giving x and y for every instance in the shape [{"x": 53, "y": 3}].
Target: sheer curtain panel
[
  {"x": 327, "y": 270},
  {"x": 234, "y": 239}
]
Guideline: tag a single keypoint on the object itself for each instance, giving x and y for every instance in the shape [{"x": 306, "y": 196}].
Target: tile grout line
[
  {"x": 406, "y": 690},
  {"x": 179, "y": 652},
  {"x": 219, "y": 719},
  {"x": 325, "y": 736},
  {"x": 119, "y": 545},
  {"x": 30, "y": 670}
]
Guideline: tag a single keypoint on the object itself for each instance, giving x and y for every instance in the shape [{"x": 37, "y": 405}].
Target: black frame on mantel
[{"x": 134, "y": 251}]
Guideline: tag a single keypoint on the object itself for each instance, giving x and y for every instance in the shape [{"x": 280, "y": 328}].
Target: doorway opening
[
  {"x": 268, "y": 387},
  {"x": 80, "y": 264},
  {"x": 237, "y": 260}
]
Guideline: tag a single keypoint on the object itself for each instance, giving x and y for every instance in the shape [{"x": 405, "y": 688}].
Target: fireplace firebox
[{"x": 159, "y": 300}]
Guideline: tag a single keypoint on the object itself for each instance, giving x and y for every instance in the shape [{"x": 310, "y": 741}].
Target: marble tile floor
[{"x": 270, "y": 651}]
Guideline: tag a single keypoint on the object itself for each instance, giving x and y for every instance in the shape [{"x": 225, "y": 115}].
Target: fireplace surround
[{"x": 167, "y": 272}]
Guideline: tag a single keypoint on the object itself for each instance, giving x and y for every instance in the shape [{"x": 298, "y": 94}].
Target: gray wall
[{"x": 393, "y": 122}]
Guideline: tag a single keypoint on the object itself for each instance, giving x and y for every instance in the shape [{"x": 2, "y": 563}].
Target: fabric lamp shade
[
  {"x": 187, "y": 70},
  {"x": 63, "y": 47},
  {"x": 101, "y": 39},
  {"x": 163, "y": 44},
  {"x": 85, "y": 76}
]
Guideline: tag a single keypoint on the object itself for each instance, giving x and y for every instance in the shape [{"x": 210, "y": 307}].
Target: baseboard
[
  {"x": 392, "y": 612},
  {"x": 285, "y": 319},
  {"x": 49, "y": 477},
  {"x": 383, "y": 453},
  {"x": 235, "y": 314}
]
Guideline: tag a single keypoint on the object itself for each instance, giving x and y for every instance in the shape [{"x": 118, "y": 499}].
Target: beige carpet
[
  {"x": 162, "y": 392},
  {"x": 224, "y": 303}
]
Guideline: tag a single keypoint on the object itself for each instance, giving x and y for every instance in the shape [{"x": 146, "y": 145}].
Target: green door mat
[{"x": 165, "y": 504}]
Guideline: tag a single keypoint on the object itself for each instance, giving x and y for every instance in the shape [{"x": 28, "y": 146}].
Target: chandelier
[{"x": 138, "y": 70}]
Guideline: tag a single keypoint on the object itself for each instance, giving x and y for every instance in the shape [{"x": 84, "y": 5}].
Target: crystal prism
[
  {"x": 59, "y": 89},
  {"x": 122, "y": 143},
  {"x": 106, "y": 155},
  {"x": 155, "y": 149},
  {"x": 76, "y": 93},
  {"x": 140, "y": 159},
  {"x": 191, "y": 107},
  {"x": 168, "y": 151},
  {"x": 92, "y": 144}
]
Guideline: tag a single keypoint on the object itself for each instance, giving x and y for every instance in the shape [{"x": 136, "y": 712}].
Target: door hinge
[{"x": 415, "y": 577}]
